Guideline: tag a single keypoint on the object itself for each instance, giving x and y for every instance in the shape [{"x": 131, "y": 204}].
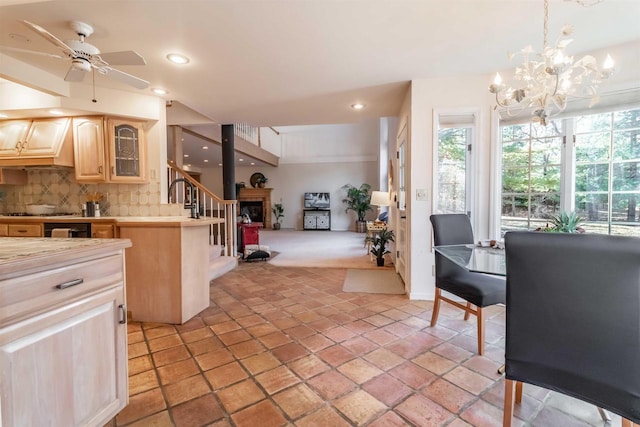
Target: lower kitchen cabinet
[
  {"x": 24, "y": 230},
  {"x": 102, "y": 231},
  {"x": 63, "y": 342}
]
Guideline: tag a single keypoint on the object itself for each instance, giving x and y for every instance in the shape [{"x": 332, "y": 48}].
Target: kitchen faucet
[{"x": 193, "y": 206}]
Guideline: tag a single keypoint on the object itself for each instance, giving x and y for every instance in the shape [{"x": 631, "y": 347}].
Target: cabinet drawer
[
  {"x": 31, "y": 293},
  {"x": 4, "y": 230},
  {"x": 24, "y": 230}
]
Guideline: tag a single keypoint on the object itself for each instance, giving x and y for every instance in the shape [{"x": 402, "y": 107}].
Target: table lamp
[{"x": 380, "y": 198}]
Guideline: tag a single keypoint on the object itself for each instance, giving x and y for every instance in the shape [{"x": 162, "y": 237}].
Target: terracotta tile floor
[{"x": 286, "y": 347}]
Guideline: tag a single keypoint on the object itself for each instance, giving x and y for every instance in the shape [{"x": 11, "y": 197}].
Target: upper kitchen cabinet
[
  {"x": 127, "y": 151},
  {"x": 38, "y": 142},
  {"x": 109, "y": 150},
  {"x": 88, "y": 140}
]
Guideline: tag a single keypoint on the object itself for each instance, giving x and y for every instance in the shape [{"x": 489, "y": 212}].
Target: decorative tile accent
[{"x": 57, "y": 186}]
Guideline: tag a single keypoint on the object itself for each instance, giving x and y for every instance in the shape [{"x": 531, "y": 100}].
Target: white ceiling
[{"x": 301, "y": 62}]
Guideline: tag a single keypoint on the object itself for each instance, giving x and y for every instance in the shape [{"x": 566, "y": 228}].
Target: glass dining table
[{"x": 476, "y": 259}]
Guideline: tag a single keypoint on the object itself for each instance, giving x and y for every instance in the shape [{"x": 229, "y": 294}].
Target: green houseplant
[
  {"x": 261, "y": 181},
  {"x": 565, "y": 222},
  {"x": 278, "y": 212},
  {"x": 379, "y": 245},
  {"x": 358, "y": 200}
]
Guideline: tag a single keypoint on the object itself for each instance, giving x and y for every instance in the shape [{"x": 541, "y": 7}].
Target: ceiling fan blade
[
  {"x": 74, "y": 75},
  {"x": 127, "y": 57},
  {"x": 32, "y": 52},
  {"x": 50, "y": 37},
  {"x": 125, "y": 78}
]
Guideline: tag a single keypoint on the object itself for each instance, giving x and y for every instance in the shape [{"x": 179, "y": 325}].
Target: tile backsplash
[{"x": 58, "y": 187}]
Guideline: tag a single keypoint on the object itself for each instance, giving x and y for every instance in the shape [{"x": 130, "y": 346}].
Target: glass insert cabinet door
[{"x": 128, "y": 151}]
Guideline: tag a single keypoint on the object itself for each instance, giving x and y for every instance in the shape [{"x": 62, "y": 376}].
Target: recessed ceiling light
[
  {"x": 56, "y": 112},
  {"x": 219, "y": 164},
  {"x": 357, "y": 106},
  {"x": 185, "y": 155},
  {"x": 159, "y": 91},
  {"x": 3, "y": 116},
  {"x": 206, "y": 161},
  {"x": 176, "y": 58},
  {"x": 253, "y": 164},
  {"x": 204, "y": 147},
  {"x": 241, "y": 160}
]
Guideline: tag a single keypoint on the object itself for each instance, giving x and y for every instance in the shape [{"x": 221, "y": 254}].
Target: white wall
[{"x": 316, "y": 159}]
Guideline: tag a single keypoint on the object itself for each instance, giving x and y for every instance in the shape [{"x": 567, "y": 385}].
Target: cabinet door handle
[
  {"x": 123, "y": 313},
  {"x": 100, "y": 169},
  {"x": 22, "y": 231},
  {"x": 69, "y": 283},
  {"x": 113, "y": 170}
]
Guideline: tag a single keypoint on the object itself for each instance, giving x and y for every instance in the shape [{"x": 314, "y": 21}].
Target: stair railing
[{"x": 222, "y": 232}]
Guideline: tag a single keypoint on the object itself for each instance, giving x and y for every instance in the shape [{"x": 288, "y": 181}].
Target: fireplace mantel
[{"x": 258, "y": 195}]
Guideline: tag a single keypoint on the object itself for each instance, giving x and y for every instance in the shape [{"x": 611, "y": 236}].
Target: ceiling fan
[{"x": 85, "y": 57}]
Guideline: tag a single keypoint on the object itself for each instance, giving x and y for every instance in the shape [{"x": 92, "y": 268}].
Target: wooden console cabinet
[{"x": 317, "y": 219}]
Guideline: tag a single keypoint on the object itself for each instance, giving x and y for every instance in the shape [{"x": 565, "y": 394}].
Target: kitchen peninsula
[
  {"x": 167, "y": 265},
  {"x": 63, "y": 335}
]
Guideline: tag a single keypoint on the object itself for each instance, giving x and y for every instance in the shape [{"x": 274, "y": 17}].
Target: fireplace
[
  {"x": 254, "y": 210},
  {"x": 256, "y": 201}
]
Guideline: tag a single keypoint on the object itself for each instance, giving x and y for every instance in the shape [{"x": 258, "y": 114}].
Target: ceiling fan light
[
  {"x": 176, "y": 58},
  {"x": 81, "y": 64}
]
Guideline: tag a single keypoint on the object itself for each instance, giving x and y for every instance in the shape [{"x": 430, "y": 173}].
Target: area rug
[{"x": 380, "y": 281}]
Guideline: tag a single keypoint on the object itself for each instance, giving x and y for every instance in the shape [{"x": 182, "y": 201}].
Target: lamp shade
[{"x": 380, "y": 198}]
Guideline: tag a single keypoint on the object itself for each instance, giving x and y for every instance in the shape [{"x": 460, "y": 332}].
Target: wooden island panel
[{"x": 167, "y": 270}]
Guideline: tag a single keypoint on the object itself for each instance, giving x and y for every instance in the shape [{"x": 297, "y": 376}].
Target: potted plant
[
  {"x": 379, "y": 245},
  {"x": 261, "y": 181},
  {"x": 278, "y": 211},
  {"x": 358, "y": 200},
  {"x": 565, "y": 222}
]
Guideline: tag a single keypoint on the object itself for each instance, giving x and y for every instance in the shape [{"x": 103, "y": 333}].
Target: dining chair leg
[
  {"x": 436, "y": 307},
  {"x": 508, "y": 403},
  {"x": 480, "y": 331},
  {"x": 519, "y": 385},
  {"x": 467, "y": 313}
]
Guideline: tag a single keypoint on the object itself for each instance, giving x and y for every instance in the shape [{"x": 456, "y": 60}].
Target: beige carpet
[
  {"x": 325, "y": 249},
  {"x": 373, "y": 282}
]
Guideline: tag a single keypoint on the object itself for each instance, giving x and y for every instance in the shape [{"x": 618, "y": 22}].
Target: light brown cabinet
[
  {"x": 109, "y": 150},
  {"x": 4, "y": 230},
  {"x": 102, "y": 231},
  {"x": 89, "y": 147},
  {"x": 12, "y": 133},
  {"x": 24, "y": 230},
  {"x": 63, "y": 343},
  {"x": 38, "y": 142}
]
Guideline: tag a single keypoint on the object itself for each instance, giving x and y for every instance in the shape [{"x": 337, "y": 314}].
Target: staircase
[{"x": 223, "y": 245}]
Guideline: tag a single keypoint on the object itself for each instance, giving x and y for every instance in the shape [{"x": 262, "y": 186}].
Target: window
[
  {"x": 452, "y": 182},
  {"x": 602, "y": 164}
]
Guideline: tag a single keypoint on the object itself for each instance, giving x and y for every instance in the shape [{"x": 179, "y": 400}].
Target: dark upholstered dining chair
[
  {"x": 573, "y": 319},
  {"x": 479, "y": 290}
]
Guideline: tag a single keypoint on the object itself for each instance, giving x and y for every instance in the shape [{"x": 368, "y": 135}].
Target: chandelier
[{"x": 545, "y": 81}]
